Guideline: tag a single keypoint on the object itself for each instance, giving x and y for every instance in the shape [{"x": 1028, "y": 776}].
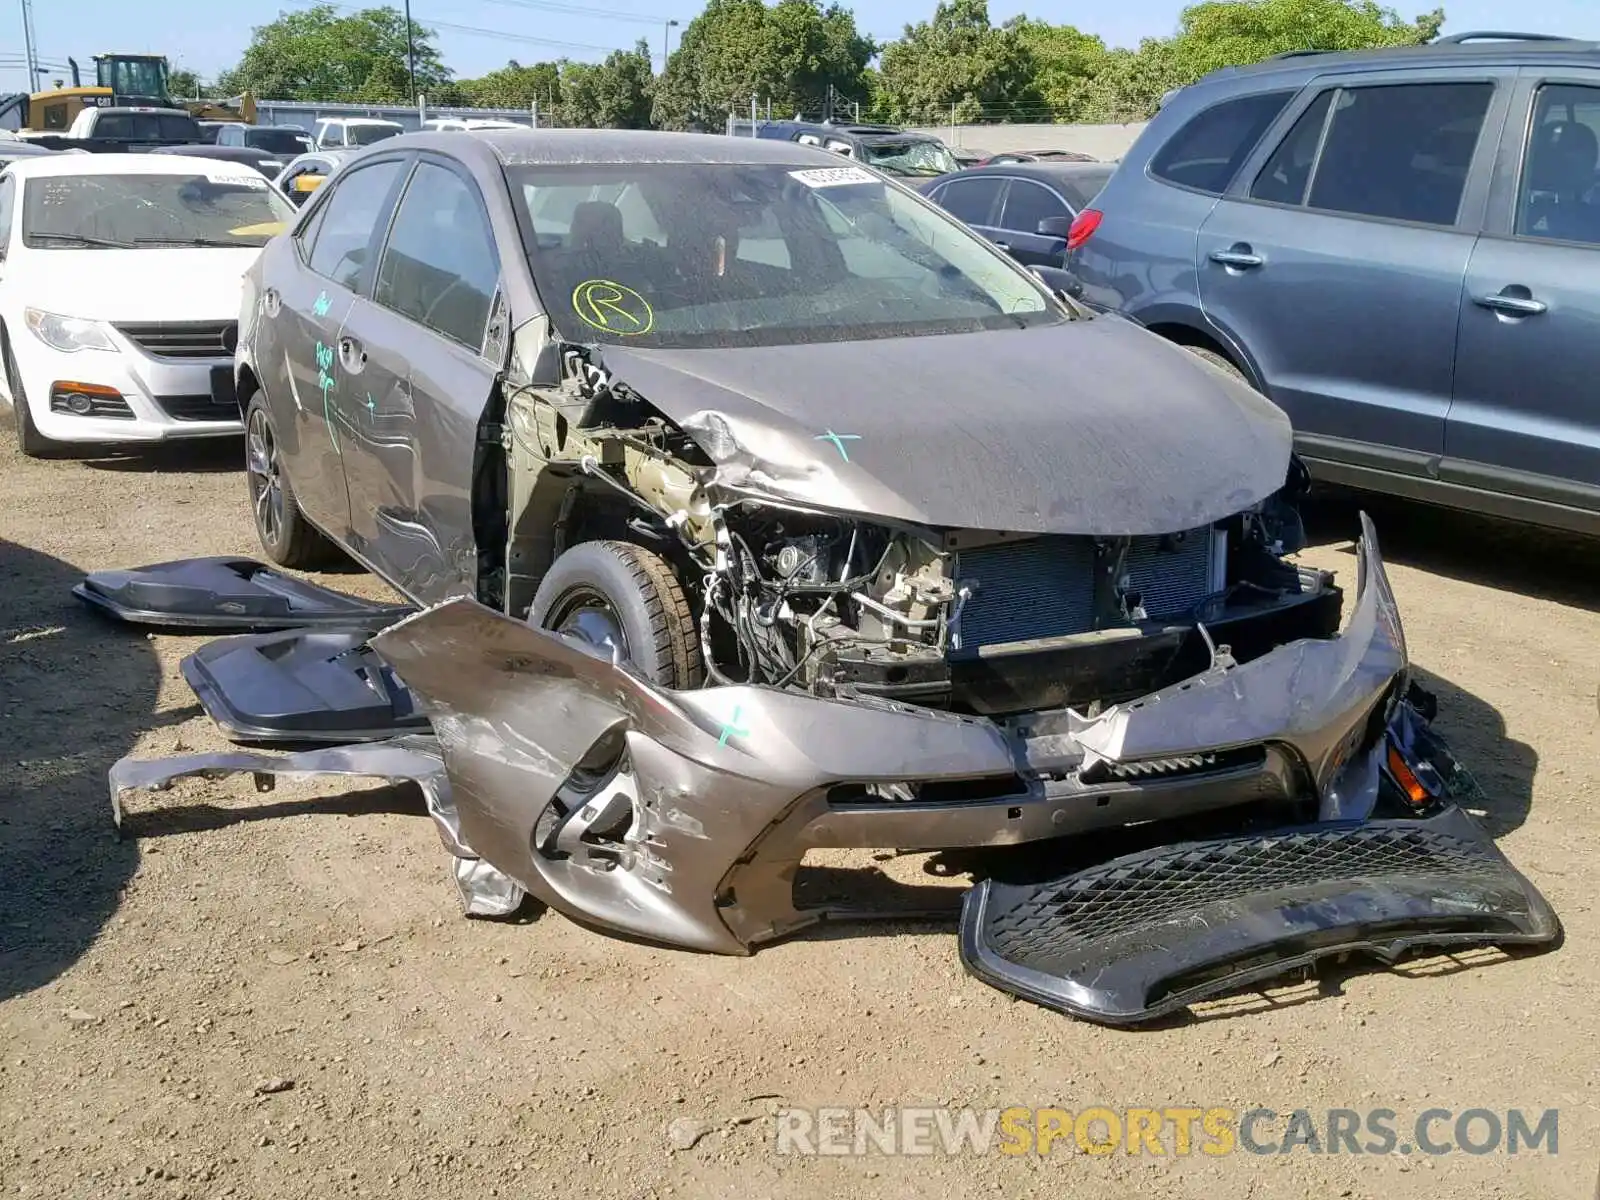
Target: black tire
[
  {"x": 30, "y": 441},
  {"x": 644, "y": 599},
  {"x": 1220, "y": 361},
  {"x": 286, "y": 537}
]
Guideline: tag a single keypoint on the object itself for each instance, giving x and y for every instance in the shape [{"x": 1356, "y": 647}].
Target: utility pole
[
  {"x": 666, "y": 43},
  {"x": 30, "y": 44},
  {"x": 411, "y": 54}
]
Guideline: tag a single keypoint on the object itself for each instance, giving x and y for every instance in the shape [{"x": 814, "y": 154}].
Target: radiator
[{"x": 1044, "y": 587}]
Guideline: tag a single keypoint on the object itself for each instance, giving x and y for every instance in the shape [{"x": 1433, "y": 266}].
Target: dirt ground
[{"x": 308, "y": 940}]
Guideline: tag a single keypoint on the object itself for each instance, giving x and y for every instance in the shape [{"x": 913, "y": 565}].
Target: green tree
[
  {"x": 1223, "y": 33},
  {"x": 516, "y": 86},
  {"x": 795, "y": 55},
  {"x": 184, "y": 84},
  {"x": 1063, "y": 63},
  {"x": 319, "y": 54},
  {"x": 614, "y": 94},
  {"x": 956, "y": 67},
  {"x": 1130, "y": 83}
]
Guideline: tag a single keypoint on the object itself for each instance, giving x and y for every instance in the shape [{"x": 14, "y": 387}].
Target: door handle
[
  {"x": 351, "y": 356},
  {"x": 1006, "y": 246},
  {"x": 1239, "y": 256},
  {"x": 1512, "y": 304}
]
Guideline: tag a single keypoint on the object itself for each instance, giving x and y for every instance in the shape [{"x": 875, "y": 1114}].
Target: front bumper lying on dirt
[{"x": 683, "y": 817}]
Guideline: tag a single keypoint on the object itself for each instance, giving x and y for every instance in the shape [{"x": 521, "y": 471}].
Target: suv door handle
[
  {"x": 1239, "y": 256},
  {"x": 999, "y": 245},
  {"x": 351, "y": 356},
  {"x": 1510, "y": 303}
]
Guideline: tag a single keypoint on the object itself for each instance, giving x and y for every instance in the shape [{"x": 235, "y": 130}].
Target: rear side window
[
  {"x": 1283, "y": 180},
  {"x": 970, "y": 200},
  {"x": 346, "y": 221},
  {"x": 1400, "y": 151},
  {"x": 1207, "y": 152}
]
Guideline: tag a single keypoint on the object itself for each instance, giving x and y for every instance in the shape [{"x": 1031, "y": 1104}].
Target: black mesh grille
[
  {"x": 184, "y": 339},
  {"x": 198, "y": 408},
  {"x": 1133, "y": 894}
]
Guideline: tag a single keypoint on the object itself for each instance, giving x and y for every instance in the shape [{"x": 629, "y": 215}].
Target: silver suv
[{"x": 1401, "y": 247}]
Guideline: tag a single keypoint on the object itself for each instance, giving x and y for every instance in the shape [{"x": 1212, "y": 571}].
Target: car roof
[
  {"x": 534, "y": 147},
  {"x": 1043, "y": 171},
  {"x": 1464, "y": 49},
  {"x": 125, "y": 164},
  {"x": 358, "y": 121}
]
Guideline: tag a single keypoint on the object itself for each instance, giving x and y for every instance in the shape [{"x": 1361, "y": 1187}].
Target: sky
[{"x": 479, "y": 35}]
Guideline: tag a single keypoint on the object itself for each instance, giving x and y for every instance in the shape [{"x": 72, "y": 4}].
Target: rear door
[
  {"x": 333, "y": 266},
  {"x": 1026, "y": 205},
  {"x": 423, "y": 379},
  {"x": 1335, "y": 260},
  {"x": 1525, "y": 418}
]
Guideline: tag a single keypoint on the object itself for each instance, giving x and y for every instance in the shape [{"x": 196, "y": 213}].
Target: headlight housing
[{"x": 67, "y": 334}]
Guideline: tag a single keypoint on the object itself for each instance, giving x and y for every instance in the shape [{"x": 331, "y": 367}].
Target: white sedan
[{"x": 119, "y": 294}]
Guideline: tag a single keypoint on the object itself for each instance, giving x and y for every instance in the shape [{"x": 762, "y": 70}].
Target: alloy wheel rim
[{"x": 266, "y": 485}]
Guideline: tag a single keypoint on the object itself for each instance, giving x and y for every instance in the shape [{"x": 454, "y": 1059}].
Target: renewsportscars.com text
[{"x": 1175, "y": 1131}]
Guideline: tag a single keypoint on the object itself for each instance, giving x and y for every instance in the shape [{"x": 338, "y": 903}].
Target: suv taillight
[{"x": 1083, "y": 227}]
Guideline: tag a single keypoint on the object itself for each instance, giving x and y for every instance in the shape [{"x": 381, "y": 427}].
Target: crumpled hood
[
  {"x": 1092, "y": 427},
  {"x": 155, "y": 284}
]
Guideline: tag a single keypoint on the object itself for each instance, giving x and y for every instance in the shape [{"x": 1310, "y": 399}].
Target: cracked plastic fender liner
[{"x": 414, "y": 759}]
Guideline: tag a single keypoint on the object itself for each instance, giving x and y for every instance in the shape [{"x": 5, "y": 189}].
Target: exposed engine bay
[{"x": 834, "y": 605}]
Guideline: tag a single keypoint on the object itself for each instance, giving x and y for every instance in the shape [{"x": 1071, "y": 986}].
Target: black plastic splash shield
[
  {"x": 301, "y": 687},
  {"x": 1146, "y": 934},
  {"x": 227, "y": 594}
]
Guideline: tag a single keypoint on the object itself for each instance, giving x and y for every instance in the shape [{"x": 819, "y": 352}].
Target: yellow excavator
[{"x": 121, "y": 80}]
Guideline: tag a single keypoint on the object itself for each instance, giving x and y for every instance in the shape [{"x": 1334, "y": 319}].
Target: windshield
[
  {"x": 365, "y": 135},
  {"x": 277, "y": 141},
  {"x": 125, "y": 77},
  {"x": 911, "y": 158},
  {"x": 147, "y": 211},
  {"x": 678, "y": 255}
]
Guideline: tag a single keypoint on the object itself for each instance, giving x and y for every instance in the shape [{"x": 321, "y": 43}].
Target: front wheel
[
  {"x": 625, "y": 603},
  {"x": 30, "y": 441},
  {"x": 287, "y": 537}
]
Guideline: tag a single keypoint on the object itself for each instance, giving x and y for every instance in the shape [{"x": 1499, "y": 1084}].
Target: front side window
[
  {"x": 137, "y": 211},
  {"x": 761, "y": 254},
  {"x": 1207, "y": 153},
  {"x": 1400, "y": 151},
  {"x": 440, "y": 267},
  {"x": 347, "y": 220},
  {"x": 1559, "y": 197},
  {"x": 1028, "y": 203}
]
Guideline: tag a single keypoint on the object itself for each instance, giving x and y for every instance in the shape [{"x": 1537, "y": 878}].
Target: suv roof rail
[
  {"x": 1495, "y": 35},
  {"x": 1295, "y": 54}
]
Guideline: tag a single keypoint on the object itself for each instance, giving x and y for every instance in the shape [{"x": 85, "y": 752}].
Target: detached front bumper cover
[{"x": 1149, "y": 933}]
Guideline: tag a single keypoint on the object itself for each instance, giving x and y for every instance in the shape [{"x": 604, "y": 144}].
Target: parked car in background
[
  {"x": 257, "y": 160},
  {"x": 305, "y": 173},
  {"x": 1026, "y": 209},
  {"x": 903, "y": 152},
  {"x": 1400, "y": 247},
  {"x": 12, "y": 148},
  {"x": 458, "y": 124},
  {"x": 209, "y": 130},
  {"x": 342, "y": 132},
  {"x": 1030, "y": 156},
  {"x": 119, "y": 294},
  {"x": 966, "y": 157},
  {"x": 283, "y": 142}
]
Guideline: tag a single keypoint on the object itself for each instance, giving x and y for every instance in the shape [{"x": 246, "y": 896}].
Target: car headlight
[{"x": 68, "y": 334}]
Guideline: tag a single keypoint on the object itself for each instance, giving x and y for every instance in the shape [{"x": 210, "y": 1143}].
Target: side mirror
[
  {"x": 1058, "y": 280},
  {"x": 1054, "y": 227}
]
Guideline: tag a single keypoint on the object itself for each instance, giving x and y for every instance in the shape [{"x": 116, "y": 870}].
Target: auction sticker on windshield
[{"x": 822, "y": 177}]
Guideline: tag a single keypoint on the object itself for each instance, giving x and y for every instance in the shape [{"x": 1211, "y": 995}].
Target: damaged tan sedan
[{"x": 748, "y": 504}]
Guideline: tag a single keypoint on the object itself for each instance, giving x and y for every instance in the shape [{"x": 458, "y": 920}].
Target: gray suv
[{"x": 1401, "y": 247}]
